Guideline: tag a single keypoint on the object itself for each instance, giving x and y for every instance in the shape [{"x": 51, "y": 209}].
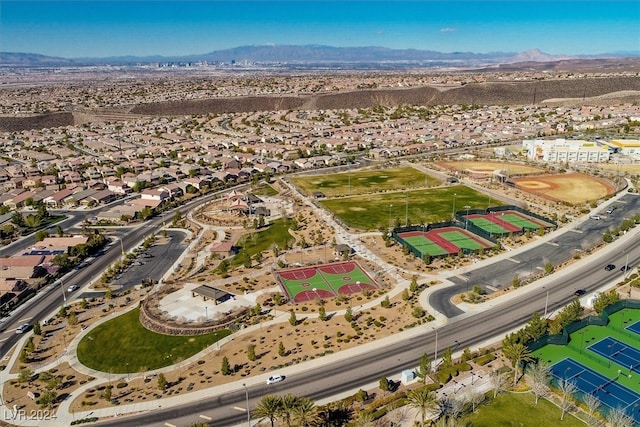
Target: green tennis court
[
  {"x": 518, "y": 220},
  {"x": 463, "y": 241},
  {"x": 488, "y": 226},
  {"x": 324, "y": 281},
  {"x": 425, "y": 246},
  {"x": 581, "y": 346}
]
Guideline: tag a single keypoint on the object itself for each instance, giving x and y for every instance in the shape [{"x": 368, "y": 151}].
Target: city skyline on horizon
[{"x": 78, "y": 28}]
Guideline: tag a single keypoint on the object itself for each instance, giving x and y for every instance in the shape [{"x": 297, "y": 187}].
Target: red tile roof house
[
  {"x": 223, "y": 249},
  {"x": 19, "y": 271},
  {"x": 154, "y": 194},
  {"x": 19, "y": 200},
  {"x": 58, "y": 199},
  {"x": 60, "y": 243}
]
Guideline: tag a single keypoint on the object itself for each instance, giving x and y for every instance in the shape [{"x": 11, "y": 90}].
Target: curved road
[
  {"x": 351, "y": 369},
  {"x": 499, "y": 274}
]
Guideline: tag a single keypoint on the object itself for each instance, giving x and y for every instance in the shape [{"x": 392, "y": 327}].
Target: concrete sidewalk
[{"x": 477, "y": 381}]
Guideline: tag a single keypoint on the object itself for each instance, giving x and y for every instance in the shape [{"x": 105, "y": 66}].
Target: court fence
[
  {"x": 428, "y": 227},
  {"x": 602, "y": 320}
]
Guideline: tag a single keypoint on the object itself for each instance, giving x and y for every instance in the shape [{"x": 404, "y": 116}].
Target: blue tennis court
[
  {"x": 607, "y": 391},
  {"x": 634, "y": 328},
  {"x": 618, "y": 352}
]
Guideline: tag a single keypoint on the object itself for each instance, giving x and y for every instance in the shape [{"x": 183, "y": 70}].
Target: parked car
[
  {"x": 23, "y": 328},
  {"x": 596, "y": 217},
  {"x": 579, "y": 292},
  {"x": 610, "y": 267},
  {"x": 275, "y": 379},
  {"x": 611, "y": 209}
]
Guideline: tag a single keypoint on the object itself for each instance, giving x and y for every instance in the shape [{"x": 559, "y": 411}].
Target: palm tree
[
  {"x": 423, "y": 400},
  {"x": 269, "y": 406},
  {"x": 288, "y": 403},
  {"x": 517, "y": 353},
  {"x": 305, "y": 412}
]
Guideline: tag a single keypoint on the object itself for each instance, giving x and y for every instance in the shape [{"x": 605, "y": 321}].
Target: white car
[
  {"x": 23, "y": 328},
  {"x": 72, "y": 288},
  {"x": 275, "y": 379}
]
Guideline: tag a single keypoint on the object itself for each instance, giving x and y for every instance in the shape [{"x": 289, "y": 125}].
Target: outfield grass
[
  {"x": 390, "y": 209},
  {"x": 520, "y": 410},
  {"x": 365, "y": 181},
  {"x": 123, "y": 345}
]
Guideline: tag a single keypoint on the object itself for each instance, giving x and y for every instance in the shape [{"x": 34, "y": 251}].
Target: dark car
[
  {"x": 610, "y": 267},
  {"x": 625, "y": 268},
  {"x": 579, "y": 292}
]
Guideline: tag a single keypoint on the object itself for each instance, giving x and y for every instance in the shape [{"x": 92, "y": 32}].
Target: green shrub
[{"x": 483, "y": 360}]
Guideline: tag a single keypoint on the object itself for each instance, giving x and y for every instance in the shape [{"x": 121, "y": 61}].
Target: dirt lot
[{"x": 487, "y": 167}]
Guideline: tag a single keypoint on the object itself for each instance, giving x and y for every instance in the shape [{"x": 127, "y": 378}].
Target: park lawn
[
  {"x": 365, "y": 181},
  {"x": 391, "y": 209},
  {"x": 519, "y": 410},
  {"x": 123, "y": 345},
  {"x": 262, "y": 240},
  {"x": 264, "y": 190}
]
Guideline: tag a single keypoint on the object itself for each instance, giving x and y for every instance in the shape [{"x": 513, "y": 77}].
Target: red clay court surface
[{"x": 324, "y": 281}]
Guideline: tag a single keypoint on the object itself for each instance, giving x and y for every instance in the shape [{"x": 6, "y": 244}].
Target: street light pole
[
  {"x": 64, "y": 295},
  {"x": 246, "y": 395},
  {"x": 435, "y": 351},
  {"x": 626, "y": 265},
  {"x": 546, "y": 303}
]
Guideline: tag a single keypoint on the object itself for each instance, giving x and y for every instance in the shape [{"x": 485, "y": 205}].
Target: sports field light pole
[
  {"x": 246, "y": 396},
  {"x": 453, "y": 208},
  {"x": 390, "y": 215},
  {"x": 466, "y": 218},
  {"x": 406, "y": 210}
]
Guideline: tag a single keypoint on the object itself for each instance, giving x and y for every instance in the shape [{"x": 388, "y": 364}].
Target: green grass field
[
  {"x": 419, "y": 206},
  {"x": 262, "y": 240},
  {"x": 519, "y": 410},
  {"x": 123, "y": 345},
  {"x": 364, "y": 181}
]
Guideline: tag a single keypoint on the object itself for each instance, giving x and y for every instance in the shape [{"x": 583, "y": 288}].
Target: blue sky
[{"x": 113, "y": 28}]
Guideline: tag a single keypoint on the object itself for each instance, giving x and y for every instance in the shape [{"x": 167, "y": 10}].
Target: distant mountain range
[{"x": 308, "y": 54}]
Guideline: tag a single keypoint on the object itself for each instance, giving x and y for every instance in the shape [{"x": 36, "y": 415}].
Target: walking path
[{"x": 475, "y": 381}]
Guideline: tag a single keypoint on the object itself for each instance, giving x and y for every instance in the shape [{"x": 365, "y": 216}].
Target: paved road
[
  {"x": 49, "y": 299},
  {"x": 351, "y": 369},
  {"x": 498, "y": 275}
]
